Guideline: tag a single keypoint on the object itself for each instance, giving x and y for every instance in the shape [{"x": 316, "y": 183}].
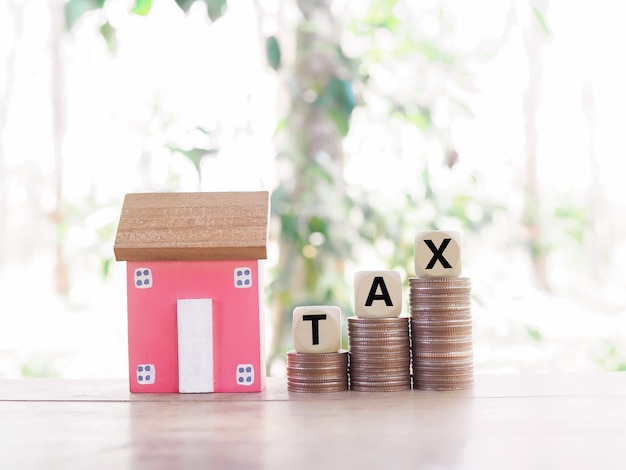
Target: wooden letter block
[
  {"x": 438, "y": 254},
  {"x": 377, "y": 294},
  {"x": 195, "y": 345},
  {"x": 317, "y": 329}
]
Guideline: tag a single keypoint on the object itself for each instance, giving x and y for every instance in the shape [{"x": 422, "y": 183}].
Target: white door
[{"x": 195, "y": 345}]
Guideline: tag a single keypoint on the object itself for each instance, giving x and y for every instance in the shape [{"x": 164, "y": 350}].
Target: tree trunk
[
  {"x": 534, "y": 39},
  {"x": 599, "y": 222},
  {"x": 310, "y": 134},
  {"x": 57, "y": 90},
  {"x": 16, "y": 18}
]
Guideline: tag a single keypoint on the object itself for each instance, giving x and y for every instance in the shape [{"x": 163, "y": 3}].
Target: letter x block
[
  {"x": 377, "y": 294},
  {"x": 317, "y": 329},
  {"x": 438, "y": 254}
]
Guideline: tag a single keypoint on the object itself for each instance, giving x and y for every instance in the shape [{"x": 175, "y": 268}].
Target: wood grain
[
  {"x": 193, "y": 226},
  {"x": 572, "y": 421}
]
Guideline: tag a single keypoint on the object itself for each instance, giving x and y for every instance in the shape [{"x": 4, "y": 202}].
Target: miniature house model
[{"x": 195, "y": 290}]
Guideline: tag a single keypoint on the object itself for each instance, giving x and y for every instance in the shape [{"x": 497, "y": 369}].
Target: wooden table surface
[{"x": 551, "y": 421}]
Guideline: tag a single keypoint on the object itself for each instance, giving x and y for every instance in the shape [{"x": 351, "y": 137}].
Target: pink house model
[{"x": 195, "y": 290}]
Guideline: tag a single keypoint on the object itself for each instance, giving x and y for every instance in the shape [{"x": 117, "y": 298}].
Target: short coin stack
[
  {"x": 380, "y": 354},
  {"x": 322, "y": 372},
  {"x": 441, "y": 333},
  {"x": 318, "y": 363}
]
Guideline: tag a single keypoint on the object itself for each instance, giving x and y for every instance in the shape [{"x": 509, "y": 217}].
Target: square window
[
  {"x": 143, "y": 278},
  {"x": 243, "y": 278},
  {"x": 146, "y": 374},
  {"x": 245, "y": 374}
]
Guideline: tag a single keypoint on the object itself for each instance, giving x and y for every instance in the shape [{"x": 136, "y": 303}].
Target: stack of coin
[
  {"x": 321, "y": 372},
  {"x": 441, "y": 333},
  {"x": 380, "y": 354}
]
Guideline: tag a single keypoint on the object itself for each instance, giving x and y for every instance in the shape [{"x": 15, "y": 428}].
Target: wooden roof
[{"x": 193, "y": 226}]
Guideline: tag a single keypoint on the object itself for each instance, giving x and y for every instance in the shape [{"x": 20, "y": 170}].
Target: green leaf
[
  {"x": 534, "y": 334},
  {"x": 318, "y": 224},
  {"x": 319, "y": 172},
  {"x": 338, "y": 98},
  {"x": 381, "y": 15},
  {"x": 272, "y": 50},
  {"x": 432, "y": 51},
  {"x": 340, "y": 120},
  {"x": 195, "y": 155},
  {"x": 142, "y": 7},
  {"x": 75, "y": 9},
  {"x": 344, "y": 97},
  {"x": 420, "y": 117},
  {"x": 184, "y": 5},
  {"x": 541, "y": 20},
  {"x": 215, "y": 8},
  {"x": 109, "y": 33},
  {"x": 281, "y": 126},
  {"x": 105, "y": 267}
]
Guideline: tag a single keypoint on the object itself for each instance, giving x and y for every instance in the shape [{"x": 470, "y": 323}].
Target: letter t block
[
  {"x": 438, "y": 254},
  {"x": 317, "y": 329}
]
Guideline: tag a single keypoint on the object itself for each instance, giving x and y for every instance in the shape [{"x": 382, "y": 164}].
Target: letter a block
[
  {"x": 377, "y": 294},
  {"x": 317, "y": 329},
  {"x": 438, "y": 254}
]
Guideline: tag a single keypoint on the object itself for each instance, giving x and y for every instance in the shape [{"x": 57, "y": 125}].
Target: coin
[
  {"x": 324, "y": 389},
  {"x": 443, "y": 381},
  {"x": 357, "y": 357},
  {"x": 372, "y": 341},
  {"x": 381, "y": 387},
  {"x": 436, "y": 330},
  {"x": 317, "y": 378},
  {"x": 379, "y": 349},
  {"x": 317, "y": 357},
  {"x": 316, "y": 373},
  {"x": 371, "y": 344},
  {"x": 393, "y": 368},
  {"x": 441, "y": 333},
  {"x": 381, "y": 384},
  {"x": 437, "y": 310},
  {"x": 377, "y": 321},
  {"x": 440, "y": 291},
  {"x": 421, "y": 364},
  {"x": 391, "y": 373},
  {"x": 438, "y": 280},
  {"x": 380, "y": 354},
  {"x": 388, "y": 339},
  {"x": 444, "y": 386}
]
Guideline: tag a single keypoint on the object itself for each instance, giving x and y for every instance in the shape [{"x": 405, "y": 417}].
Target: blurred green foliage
[
  {"x": 75, "y": 9},
  {"x": 323, "y": 224},
  {"x": 541, "y": 19},
  {"x": 534, "y": 334},
  {"x": 613, "y": 359},
  {"x": 37, "y": 369},
  {"x": 323, "y": 221},
  {"x": 272, "y": 49},
  {"x": 319, "y": 220}
]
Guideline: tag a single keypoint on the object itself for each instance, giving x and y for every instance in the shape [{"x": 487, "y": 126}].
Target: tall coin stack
[
  {"x": 317, "y": 364},
  {"x": 380, "y": 351},
  {"x": 441, "y": 320}
]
